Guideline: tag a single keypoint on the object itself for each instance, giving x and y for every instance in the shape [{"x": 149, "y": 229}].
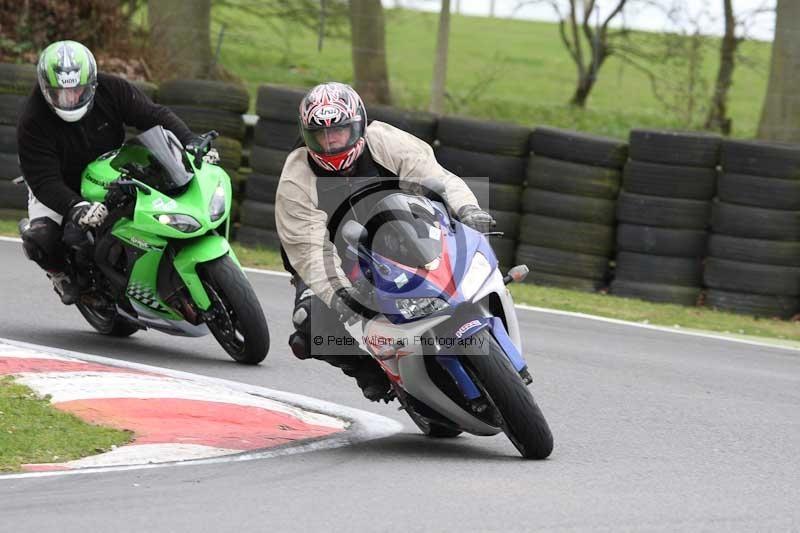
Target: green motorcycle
[{"x": 162, "y": 259}]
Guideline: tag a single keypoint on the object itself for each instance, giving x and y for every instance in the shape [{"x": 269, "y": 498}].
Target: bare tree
[
  {"x": 718, "y": 118},
  {"x": 440, "y": 66},
  {"x": 674, "y": 60},
  {"x": 327, "y": 18},
  {"x": 577, "y": 32},
  {"x": 780, "y": 118},
  {"x": 369, "y": 51},
  {"x": 736, "y": 31},
  {"x": 467, "y": 95}
]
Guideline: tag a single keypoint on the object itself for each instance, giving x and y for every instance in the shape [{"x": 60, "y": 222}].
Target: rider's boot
[
  {"x": 368, "y": 374},
  {"x": 65, "y": 287}
]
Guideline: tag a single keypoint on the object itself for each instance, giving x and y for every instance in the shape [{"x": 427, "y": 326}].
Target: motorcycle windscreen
[
  {"x": 157, "y": 158},
  {"x": 405, "y": 229}
]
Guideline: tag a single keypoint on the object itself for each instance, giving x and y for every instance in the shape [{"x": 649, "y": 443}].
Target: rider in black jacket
[{"x": 73, "y": 116}]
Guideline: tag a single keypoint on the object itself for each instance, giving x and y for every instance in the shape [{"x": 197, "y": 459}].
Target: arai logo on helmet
[
  {"x": 69, "y": 79},
  {"x": 327, "y": 113},
  {"x": 466, "y": 327}
]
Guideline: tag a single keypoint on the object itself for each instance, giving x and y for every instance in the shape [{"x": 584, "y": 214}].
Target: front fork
[
  {"x": 201, "y": 250},
  {"x": 455, "y": 368}
]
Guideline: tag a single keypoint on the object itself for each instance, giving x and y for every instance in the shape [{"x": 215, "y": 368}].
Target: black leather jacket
[{"x": 53, "y": 153}]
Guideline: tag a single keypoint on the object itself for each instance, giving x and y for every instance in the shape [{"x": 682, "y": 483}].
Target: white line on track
[
  {"x": 572, "y": 314},
  {"x": 364, "y": 425}
]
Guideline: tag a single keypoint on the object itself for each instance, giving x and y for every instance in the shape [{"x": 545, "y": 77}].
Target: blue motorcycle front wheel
[{"x": 523, "y": 421}]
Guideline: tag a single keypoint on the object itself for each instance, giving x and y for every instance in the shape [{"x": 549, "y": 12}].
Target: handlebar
[
  {"x": 133, "y": 183},
  {"x": 200, "y": 150}
]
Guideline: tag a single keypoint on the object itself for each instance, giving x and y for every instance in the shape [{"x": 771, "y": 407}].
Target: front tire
[
  {"x": 523, "y": 421},
  {"x": 235, "y": 317},
  {"x": 107, "y": 321}
]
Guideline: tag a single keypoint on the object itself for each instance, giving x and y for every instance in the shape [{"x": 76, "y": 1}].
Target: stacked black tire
[
  {"x": 275, "y": 135},
  {"x": 567, "y": 226},
  {"x": 491, "y": 157},
  {"x": 151, "y": 91},
  {"x": 16, "y": 83},
  {"x": 663, "y": 213},
  {"x": 418, "y": 123},
  {"x": 213, "y": 105},
  {"x": 754, "y": 250}
]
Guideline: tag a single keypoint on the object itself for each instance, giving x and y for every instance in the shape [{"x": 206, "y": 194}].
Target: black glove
[
  {"x": 208, "y": 154},
  {"x": 194, "y": 144},
  {"x": 88, "y": 215},
  {"x": 476, "y": 218},
  {"x": 119, "y": 195},
  {"x": 347, "y": 305}
]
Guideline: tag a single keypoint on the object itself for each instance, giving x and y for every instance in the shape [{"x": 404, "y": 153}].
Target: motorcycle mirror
[{"x": 354, "y": 233}]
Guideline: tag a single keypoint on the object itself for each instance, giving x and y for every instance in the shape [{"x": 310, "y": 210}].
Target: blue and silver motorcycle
[{"x": 443, "y": 325}]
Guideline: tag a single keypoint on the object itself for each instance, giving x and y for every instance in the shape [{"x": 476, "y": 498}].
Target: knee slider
[
  {"x": 41, "y": 240},
  {"x": 299, "y": 341}
]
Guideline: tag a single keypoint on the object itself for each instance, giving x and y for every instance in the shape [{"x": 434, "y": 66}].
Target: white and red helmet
[{"x": 332, "y": 123}]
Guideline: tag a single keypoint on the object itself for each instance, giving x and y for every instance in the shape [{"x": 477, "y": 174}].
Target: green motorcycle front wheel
[{"x": 235, "y": 317}]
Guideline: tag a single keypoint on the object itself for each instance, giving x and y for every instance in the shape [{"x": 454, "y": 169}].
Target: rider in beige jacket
[{"x": 319, "y": 189}]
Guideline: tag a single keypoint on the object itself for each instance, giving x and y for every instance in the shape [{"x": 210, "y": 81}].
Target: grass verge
[
  {"x": 670, "y": 315},
  {"x": 33, "y": 431},
  {"x": 8, "y": 228}
]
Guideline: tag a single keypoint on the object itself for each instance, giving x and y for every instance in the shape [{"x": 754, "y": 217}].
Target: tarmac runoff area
[{"x": 176, "y": 417}]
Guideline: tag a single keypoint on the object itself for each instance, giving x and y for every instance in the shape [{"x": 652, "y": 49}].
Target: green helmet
[{"x": 67, "y": 75}]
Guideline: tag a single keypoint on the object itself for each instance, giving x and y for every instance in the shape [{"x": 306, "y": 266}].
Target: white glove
[
  {"x": 88, "y": 215},
  {"x": 212, "y": 156},
  {"x": 476, "y": 218}
]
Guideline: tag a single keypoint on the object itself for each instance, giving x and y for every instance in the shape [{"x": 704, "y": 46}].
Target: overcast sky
[{"x": 707, "y": 12}]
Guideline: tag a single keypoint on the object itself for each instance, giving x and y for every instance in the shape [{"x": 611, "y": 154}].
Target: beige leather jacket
[{"x": 302, "y": 227}]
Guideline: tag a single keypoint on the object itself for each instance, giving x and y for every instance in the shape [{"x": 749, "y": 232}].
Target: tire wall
[
  {"x": 273, "y": 137},
  {"x": 753, "y": 263},
  {"x": 214, "y": 105},
  {"x": 491, "y": 158},
  {"x": 16, "y": 82},
  {"x": 663, "y": 212},
  {"x": 568, "y": 204}
]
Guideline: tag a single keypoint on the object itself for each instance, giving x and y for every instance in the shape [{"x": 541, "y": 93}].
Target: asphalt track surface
[{"x": 653, "y": 431}]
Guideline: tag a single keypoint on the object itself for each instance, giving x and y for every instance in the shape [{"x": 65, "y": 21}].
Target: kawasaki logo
[
  {"x": 140, "y": 243},
  {"x": 96, "y": 181}
]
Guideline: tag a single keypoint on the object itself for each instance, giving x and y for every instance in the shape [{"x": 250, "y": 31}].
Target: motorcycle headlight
[
  {"x": 216, "y": 208},
  {"x": 182, "y": 223},
  {"x": 419, "y": 307},
  {"x": 478, "y": 271}
]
